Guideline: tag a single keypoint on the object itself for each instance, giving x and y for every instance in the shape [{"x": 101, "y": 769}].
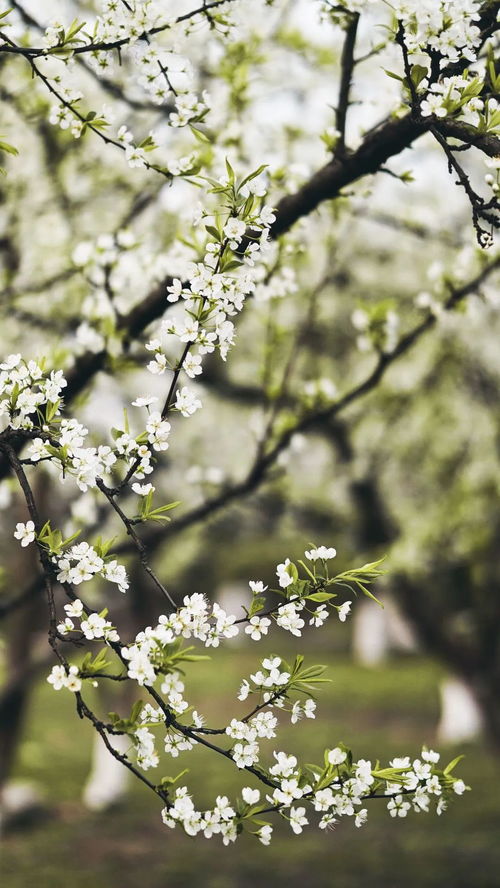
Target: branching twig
[
  {"x": 480, "y": 209},
  {"x": 134, "y": 536},
  {"x": 260, "y": 469},
  {"x": 103, "y": 46}
]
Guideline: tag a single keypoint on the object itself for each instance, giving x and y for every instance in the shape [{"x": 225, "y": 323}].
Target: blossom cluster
[
  {"x": 27, "y": 392},
  {"x": 450, "y": 33},
  {"x": 337, "y": 790},
  {"x": 60, "y": 677},
  {"x": 378, "y": 328},
  {"x": 85, "y": 464},
  {"x": 93, "y": 626},
  {"x": 217, "y": 286},
  {"x": 261, "y": 724},
  {"x": 111, "y": 264},
  {"x": 161, "y": 71},
  {"x": 81, "y": 563},
  {"x": 32, "y": 401},
  {"x": 459, "y": 96},
  {"x": 429, "y": 27},
  {"x": 196, "y": 619},
  {"x": 319, "y": 391},
  {"x": 221, "y": 820},
  {"x": 210, "y": 623}
]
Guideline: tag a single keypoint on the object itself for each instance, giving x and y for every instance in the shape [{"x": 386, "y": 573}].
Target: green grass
[{"x": 381, "y": 712}]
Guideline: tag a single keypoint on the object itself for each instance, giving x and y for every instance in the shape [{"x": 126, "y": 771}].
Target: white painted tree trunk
[
  {"x": 20, "y": 801},
  {"x": 108, "y": 781},
  {"x": 461, "y": 718},
  {"x": 377, "y": 632},
  {"x": 370, "y": 639}
]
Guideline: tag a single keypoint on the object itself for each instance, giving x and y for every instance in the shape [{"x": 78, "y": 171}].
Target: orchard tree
[{"x": 186, "y": 186}]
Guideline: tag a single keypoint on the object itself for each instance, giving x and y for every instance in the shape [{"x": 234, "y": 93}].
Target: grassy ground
[{"x": 383, "y": 711}]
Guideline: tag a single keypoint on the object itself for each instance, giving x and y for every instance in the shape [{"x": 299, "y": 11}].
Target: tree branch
[
  {"x": 488, "y": 143},
  {"x": 384, "y": 142},
  {"x": 346, "y": 69},
  {"x": 259, "y": 471},
  {"x": 36, "y": 51}
]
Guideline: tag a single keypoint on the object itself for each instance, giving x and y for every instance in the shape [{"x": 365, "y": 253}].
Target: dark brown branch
[
  {"x": 386, "y": 140},
  {"x": 481, "y": 211},
  {"x": 134, "y": 536},
  {"x": 409, "y": 226},
  {"x": 109, "y": 86},
  {"x": 488, "y": 143},
  {"x": 259, "y": 472},
  {"x": 102, "y": 729},
  {"x": 35, "y": 51},
  {"x": 82, "y": 708},
  {"x": 327, "y": 183},
  {"x": 346, "y": 69}
]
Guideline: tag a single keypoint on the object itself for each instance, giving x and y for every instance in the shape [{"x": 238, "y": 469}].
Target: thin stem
[{"x": 139, "y": 545}]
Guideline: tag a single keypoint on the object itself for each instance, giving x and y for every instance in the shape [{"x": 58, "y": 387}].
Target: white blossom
[
  {"x": 250, "y": 796},
  {"x": 25, "y": 533},
  {"x": 344, "y": 610},
  {"x": 298, "y": 819},
  {"x": 186, "y": 401},
  {"x": 257, "y": 627},
  {"x": 337, "y": 756}
]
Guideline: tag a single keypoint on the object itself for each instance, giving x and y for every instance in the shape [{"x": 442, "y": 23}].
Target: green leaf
[
  {"x": 307, "y": 570},
  {"x": 369, "y": 594},
  {"x": 393, "y": 75},
  {"x": 321, "y": 596},
  {"x": 169, "y": 781},
  {"x": 449, "y": 768},
  {"x": 256, "y": 606},
  {"x": 9, "y": 149},
  {"x": 97, "y": 664},
  {"x": 73, "y": 30},
  {"x": 213, "y": 231},
  {"x": 418, "y": 73},
  {"x": 199, "y": 134},
  {"x": 51, "y": 410},
  {"x": 146, "y": 504},
  {"x": 253, "y": 175},
  {"x": 292, "y": 571},
  {"x": 231, "y": 265},
  {"x": 248, "y": 206},
  {"x": 136, "y": 710},
  {"x": 230, "y": 172},
  {"x": 158, "y": 513},
  {"x": 70, "y": 539},
  {"x": 102, "y": 547},
  {"x": 389, "y": 774}
]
